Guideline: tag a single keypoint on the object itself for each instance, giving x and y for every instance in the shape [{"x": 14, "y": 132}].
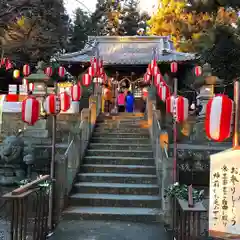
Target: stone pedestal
[{"x": 42, "y": 129}]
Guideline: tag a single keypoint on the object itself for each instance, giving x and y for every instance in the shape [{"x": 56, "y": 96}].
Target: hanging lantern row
[
  {"x": 95, "y": 70},
  {"x": 219, "y": 110},
  {"x": 178, "y": 106},
  {"x": 52, "y": 104},
  {"x": 48, "y": 71}
]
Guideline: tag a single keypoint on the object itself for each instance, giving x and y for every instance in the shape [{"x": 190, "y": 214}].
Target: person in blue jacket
[{"x": 129, "y": 102}]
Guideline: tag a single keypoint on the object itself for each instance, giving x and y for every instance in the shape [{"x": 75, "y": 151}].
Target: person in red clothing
[{"x": 121, "y": 101}]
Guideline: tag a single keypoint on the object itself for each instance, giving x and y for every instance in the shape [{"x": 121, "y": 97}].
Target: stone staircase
[{"x": 117, "y": 180}]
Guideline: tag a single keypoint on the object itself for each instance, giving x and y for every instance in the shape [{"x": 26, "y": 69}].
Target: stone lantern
[
  {"x": 40, "y": 81},
  {"x": 206, "y": 84}
]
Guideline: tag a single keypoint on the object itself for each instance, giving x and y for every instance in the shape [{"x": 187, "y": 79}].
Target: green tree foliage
[
  {"x": 132, "y": 20},
  {"x": 224, "y": 53},
  {"x": 221, "y": 43},
  {"x": 118, "y": 18},
  {"x": 106, "y": 18},
  {"x": 81, "y": 29},
  {"x": 36, "y": 32}
]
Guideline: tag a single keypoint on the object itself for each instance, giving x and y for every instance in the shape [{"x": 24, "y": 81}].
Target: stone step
[
  {"x": 122, "y": 130},
  {"x": 123, "y": 115},
  {"x": 102, "y": 168},
  {"x": 120, "y": 122},
  {"x": 121, "y": 135},
  {"x": 120, "y": 146},
  {"x": 118, "y": 160},
  {"x": 118, "y": 178},
  {"x": 115, "y": 125},
  {"x": 106, "y": 200},
  {"x": 108, "y": 140},
  {"x": 119, "y": 153},
  {"x": 113, "y": 213},
  {"x": 116, "y": 188}
]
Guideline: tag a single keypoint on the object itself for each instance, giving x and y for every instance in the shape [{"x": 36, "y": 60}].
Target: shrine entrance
[{"x": 136, "y": 87}]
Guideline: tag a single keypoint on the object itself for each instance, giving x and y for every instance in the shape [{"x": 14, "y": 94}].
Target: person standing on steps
[
  {"x": 129, "y": 102},
  {"x": 108, "y": 98},
  {"x": 121, "y": 101}
]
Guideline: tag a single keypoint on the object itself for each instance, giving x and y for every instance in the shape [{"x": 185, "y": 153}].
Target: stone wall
[{"x": 11, "y": 123}]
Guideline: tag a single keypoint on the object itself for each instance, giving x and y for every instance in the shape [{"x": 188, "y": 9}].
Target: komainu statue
[{"x": 13, "y": 168}]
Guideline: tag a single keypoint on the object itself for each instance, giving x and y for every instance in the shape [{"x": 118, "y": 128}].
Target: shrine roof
[{"x": 127, "y": 50}]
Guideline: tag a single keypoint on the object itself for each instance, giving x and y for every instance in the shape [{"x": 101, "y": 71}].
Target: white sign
[
  {"x": 23, "y": 89},
  {"x": 224, "y": 204},
  {"x": 12, "y": 89}
]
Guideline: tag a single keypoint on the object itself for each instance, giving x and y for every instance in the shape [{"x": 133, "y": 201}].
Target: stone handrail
[
  {"x": 164, "y": 166},
  {"x": 69, "y": 164},
  {"x": 162, "y": 161}
]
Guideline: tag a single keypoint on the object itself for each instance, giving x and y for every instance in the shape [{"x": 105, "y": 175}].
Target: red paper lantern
[
  {"x": 30, "y": 110},
  {"x": 26, "y": 70},
  {"x": 52, "y": 104},
  {"x": 169, "y": 104},
  {"x": 8, "y": 65},
  {"x": 49, "y": 71},
  {"x": 93, "y": 60},
  {"x": 219, "y": 116},
  {"x": 158, "y": 79},
  {"x": 86, "y": 80},
  {"x": 163, "y": 92},
  {"x": 76, "y": 92},
  {"x": 31, "y": 87},
  {"x": 91, "y": 71},
  {"x": 146, "y": 78},
  {"x": 61, "y": 71},
  {"x": 198, "y": 71},
  {"x": 153, "y": 64},
  {"x": 25, "y": 81},
  {"x": 65, "y": 101},
  {"x": 155, "y": 70},
  {"x": 3, "y": 61},
  {"x": 100, "y": 63},
  {"x": 174, "y": 67},
  {"x": 101, "y": 70},
  {"x": 95, "y": 67},
  {"x": 149, "y": 70},
  {"x": 181, "y": 109}
]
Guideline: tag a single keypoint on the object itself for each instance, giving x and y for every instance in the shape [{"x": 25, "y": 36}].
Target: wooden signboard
[{"x": 224, "y": 203}]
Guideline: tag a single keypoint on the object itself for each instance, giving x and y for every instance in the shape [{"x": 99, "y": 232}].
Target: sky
[{"x": 71, "y": 5}]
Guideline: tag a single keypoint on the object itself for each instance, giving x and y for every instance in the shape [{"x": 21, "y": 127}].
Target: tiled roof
[{"x": 127, "y": 50}]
